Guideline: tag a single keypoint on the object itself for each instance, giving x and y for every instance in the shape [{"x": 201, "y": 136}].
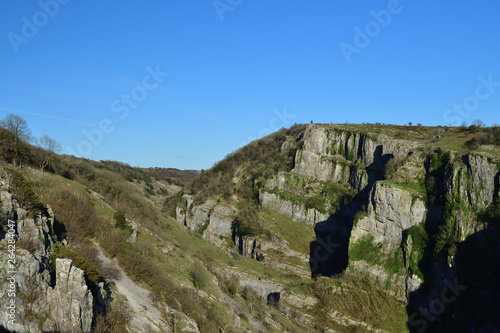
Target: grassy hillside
[{"x": 193, "y": 276}]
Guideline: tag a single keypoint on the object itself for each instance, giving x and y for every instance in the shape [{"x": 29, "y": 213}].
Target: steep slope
[
  {"x": 39, "y": 297},
  {"x": 316, "y": 228},
  {"x": 394, "y": 203}
]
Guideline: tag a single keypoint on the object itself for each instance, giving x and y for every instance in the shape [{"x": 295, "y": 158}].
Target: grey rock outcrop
[
  {"x": 262, "y": 288},
  {"x": 43, "y": 303},
  {"x": 391, "y": 210},
  {"x": 296, "y": 212},
  {"x": 471, "y": 184},
  {"x": 212, "y": 219},
  {"x": 70, "y": 300},
  {"x": 465, "y": 184},
  {"x": 329, "y": 153}
]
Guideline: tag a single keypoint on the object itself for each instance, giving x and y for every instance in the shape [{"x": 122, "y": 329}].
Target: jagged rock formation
[
  {"x": 212, "y": 219},
  {"x": 391, "y": 210},
  {"x": 430, "y": 197},
  {"x": 295, "y": 211},
  {"x": 70, "y": 299},
  {"x": 44, "y": 303}
]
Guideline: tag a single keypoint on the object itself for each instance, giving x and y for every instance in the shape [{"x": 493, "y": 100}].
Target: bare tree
[
  {"x": 50, "y": 144},
  {"x": 18, "y": 126},
  {"x": 47, "y": 147},
  {"x": 478, "y": 123}
]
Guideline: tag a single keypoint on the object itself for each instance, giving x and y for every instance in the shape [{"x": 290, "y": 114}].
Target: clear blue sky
[{"x": 240, "y": 70}]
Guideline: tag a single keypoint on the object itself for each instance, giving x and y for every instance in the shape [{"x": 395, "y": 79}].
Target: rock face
[
  {"x": 427, "y": 189},
  {"x": 470, "y": 186},
  {"x": 296, "y": 212},
  {"x": 391, "y": 210},
  {"x": 71, "y": 301},
  {"x": 44, "y": 303},
  {"x": 212, "y": 219},
  {"x": 260, "y": 287},
  {"x": 329, "y": 153}
]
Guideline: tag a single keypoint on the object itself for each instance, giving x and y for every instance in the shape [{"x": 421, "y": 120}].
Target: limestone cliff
[
  {"x": 396, "y": 206},
  {"x": 391, "y": 211},
  {"x": 43, "y": 303}
]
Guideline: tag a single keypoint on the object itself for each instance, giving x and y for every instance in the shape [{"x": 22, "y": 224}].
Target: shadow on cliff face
[
  {"x": 468, "y": 301},
  {"x": 328, "y": 254}
]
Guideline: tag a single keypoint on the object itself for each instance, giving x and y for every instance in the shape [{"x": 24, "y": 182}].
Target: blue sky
[{"x": 81, "y": 71}]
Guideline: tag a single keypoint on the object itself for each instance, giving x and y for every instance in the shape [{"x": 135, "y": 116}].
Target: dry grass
[{"x": 355, "y": 295}]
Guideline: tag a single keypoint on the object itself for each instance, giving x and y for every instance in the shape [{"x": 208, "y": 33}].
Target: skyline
[{"x": 171, "y": 85}]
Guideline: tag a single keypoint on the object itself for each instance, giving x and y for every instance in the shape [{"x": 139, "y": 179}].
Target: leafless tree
[
  {"x": 47, "y": 147},
  {"x": 478, "y": 123},
  {"x": 18, "y": 126}
]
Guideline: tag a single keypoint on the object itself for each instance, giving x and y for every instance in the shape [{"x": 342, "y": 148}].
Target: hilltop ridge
[{"x": 318, "y": 227}]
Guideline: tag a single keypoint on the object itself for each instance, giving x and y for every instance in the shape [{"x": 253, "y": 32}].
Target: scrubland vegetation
[{"x": 101, "y": 202}]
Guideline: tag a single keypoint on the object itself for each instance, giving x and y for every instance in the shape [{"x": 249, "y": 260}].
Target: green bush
[
  {"x": 199, "y": 276},
  {"x": 120, "y": 220},
  {"x": 365, "y": 249},
  {"x": 89, "y": 268},
  {"x": 22, "y": 190},
  {"x": 247, "y": 222},
  {"x": 492, "y": 213},
  {"x": 472, "y": 144}
]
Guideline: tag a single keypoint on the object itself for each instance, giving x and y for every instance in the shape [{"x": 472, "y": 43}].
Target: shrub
[
  {"x": 22, "y": 190},
  {"x": 472, "y": 144},
  {"x": 74, "y": 212},
  {"x": 200, "y": 277},
  {"x": 323, "y": 291},
  {"x": 120, "y": 220},
  {"x": 492, "y": 213},
  {"x": 28, "y": 244},
  {"x": 232, "y": 289},
  {"x": 79, "y": 259},
  {"x": 247, "y": 222},
  {"x": 390, "y": 168},
  {"x": 365, "y": 249}
]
